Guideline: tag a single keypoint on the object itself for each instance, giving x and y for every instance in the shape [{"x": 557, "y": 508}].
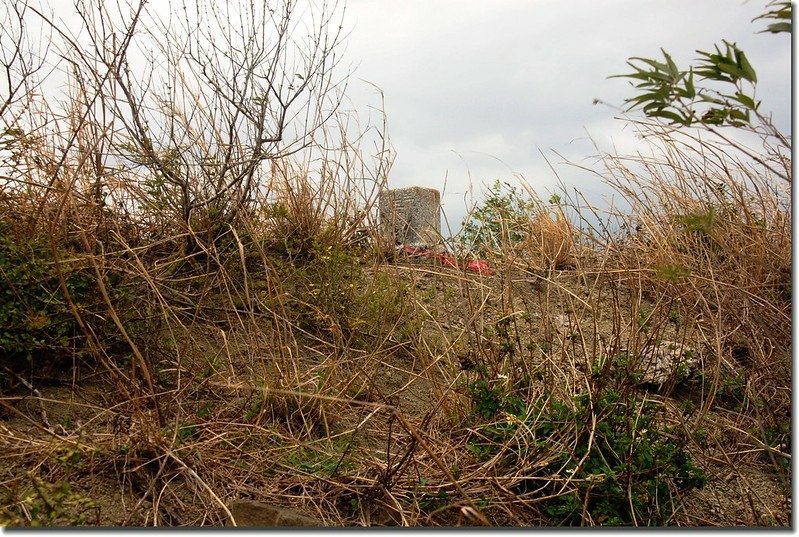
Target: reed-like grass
[{"x": 167, "y": 356}]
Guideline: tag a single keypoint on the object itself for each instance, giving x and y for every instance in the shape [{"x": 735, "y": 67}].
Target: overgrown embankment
[
  {"x": 196, "y": 306},
  {"x": 145, "y": 383}
]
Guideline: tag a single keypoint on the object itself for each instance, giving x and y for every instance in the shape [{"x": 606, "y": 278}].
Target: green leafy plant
[
  {"x": 621, "y": 369},
  {"x": 778, "y": 438},
  {"x": 781, "y": 12},
  {"x": 50, "y": 504},
  {"x": 501, "y": 220},
  {"x": 668, "y": 92},
  {"x": 428, "y": 498},
  {"x": 731, "y": 393},
  {"x": 701, "y": 437},
  {"x": 490, "y": 399},
  {"x": 630, "y": 469},
  {"x": 313, "y": 460},
  {"x": 487, "y": 399},
  {"x": 645, "y": 319},
  {"x": 672, "y": 273},
  {"x": 490, "y": 402},
  {"x": 34, "y": 314},
  {"x": 186, "y": 432}
]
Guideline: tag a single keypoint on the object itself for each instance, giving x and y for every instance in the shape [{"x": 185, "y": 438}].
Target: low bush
[
  {"x": 609, "y": 457},
  {"x": 35, "y": 314},
  {"x": 625, "y": 465}
]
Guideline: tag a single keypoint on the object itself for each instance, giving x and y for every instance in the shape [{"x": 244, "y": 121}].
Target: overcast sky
[
  {"x": 482, "y": 90},
  {"x": 475, "y": 91}
]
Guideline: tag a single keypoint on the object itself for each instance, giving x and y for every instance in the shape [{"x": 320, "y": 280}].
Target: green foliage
[
  {"x": 781, "y": 12},
  {"x": 186, "y": 432},
  {"x": 500, "y": 221},
  {"x": 481, "y": 450},
  {"x": 34, "y": 314},
  {"x": 321, "y": 285},
  {"x": 672, "y": 273},
  {"x": 701, "y": 223},
  {"x": 624, "y": 464},
  {"x": 630, "y": 469},
  {"x": 49, "y": 504},
  {"x": 700, "y": 437},
  {"x": 320, "y": 462},
  {"x": 667, "y": 92},
  {"x": 429, "y": 498},
  {"x": 487, "y": 400},
  {"x": 730, "y": 66},
  {"x": 621, "y": 369},
  {"x": 644, "y": 319},
  {"x": 299, "y": 229},
  {"x": 731, "y": 392},
  {"x": 253, "y": 409},
  {"x": 778, "y": 437}
]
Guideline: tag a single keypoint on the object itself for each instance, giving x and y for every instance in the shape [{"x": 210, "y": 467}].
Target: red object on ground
[
  {"x": 447, "y": 260},
  {"x": 480, "y": 266}
]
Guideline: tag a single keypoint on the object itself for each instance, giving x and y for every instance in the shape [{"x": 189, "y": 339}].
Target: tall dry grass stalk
[
  {"x": 258, "y": 348},
  {"x": 713, "y": 230}
]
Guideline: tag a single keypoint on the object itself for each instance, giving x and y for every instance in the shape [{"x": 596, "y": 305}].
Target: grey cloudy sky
[
  {"x": 483, "y": 90},
  {"x": 475, "y": 91}
]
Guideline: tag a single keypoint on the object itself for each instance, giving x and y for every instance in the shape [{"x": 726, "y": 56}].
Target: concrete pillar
[{"x": 411, "y": 216}]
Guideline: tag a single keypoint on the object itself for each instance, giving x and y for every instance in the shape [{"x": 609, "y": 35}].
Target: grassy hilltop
[{"x": 194, "y": 312}]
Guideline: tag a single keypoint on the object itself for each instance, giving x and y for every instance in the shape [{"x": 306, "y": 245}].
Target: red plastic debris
[
  {"x": 479, "y": 266},
  {"x": 447, "y": 260}
]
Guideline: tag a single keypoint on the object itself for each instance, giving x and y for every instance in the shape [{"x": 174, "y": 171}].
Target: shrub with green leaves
[
  {"x": 622, "y": 463},
  {"x": 627, "y": 468},
  {"x": 500, "y": 221},
  {"x": 34, "y": 314},
  {"x": 48, "y": 505}
]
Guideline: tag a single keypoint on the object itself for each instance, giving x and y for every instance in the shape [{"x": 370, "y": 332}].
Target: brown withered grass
[{"x": 281, "y": 359}]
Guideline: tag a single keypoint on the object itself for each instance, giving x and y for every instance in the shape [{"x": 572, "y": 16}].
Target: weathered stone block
[
  {"x": 411, "y": 216},
  {"x": 262, "y": 515}
]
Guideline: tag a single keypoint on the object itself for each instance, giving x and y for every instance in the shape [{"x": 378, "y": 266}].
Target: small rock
[
  {"x": 248, "y": 513},
  {"x": 667, "y": 360},
  {"x": 563, "y": 325}
]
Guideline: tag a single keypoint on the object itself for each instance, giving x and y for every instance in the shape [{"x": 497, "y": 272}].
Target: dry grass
[
  {"x": 550, "y": 241},
  {"x": 166, "y": 359},
  {"x": 277, "y": 363}
]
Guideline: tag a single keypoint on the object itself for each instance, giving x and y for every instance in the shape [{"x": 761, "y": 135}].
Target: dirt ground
[{"x": 75, "y": 430}]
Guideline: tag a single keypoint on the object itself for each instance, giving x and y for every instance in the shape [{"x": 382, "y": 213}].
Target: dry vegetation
[{"x": 188, "y": 317}]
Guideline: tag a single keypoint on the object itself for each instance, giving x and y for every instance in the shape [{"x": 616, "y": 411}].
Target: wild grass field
[{"x": 188, "y": 320}]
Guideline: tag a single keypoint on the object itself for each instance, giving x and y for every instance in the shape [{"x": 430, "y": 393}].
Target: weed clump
[
  {"x": 604, "y": 457},
  {"x": 34, "y": 314},
  {"x": 626, "y": 466}
]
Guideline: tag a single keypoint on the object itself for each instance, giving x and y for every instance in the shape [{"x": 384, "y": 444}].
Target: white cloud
[{"x": 509, "y": 79}]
